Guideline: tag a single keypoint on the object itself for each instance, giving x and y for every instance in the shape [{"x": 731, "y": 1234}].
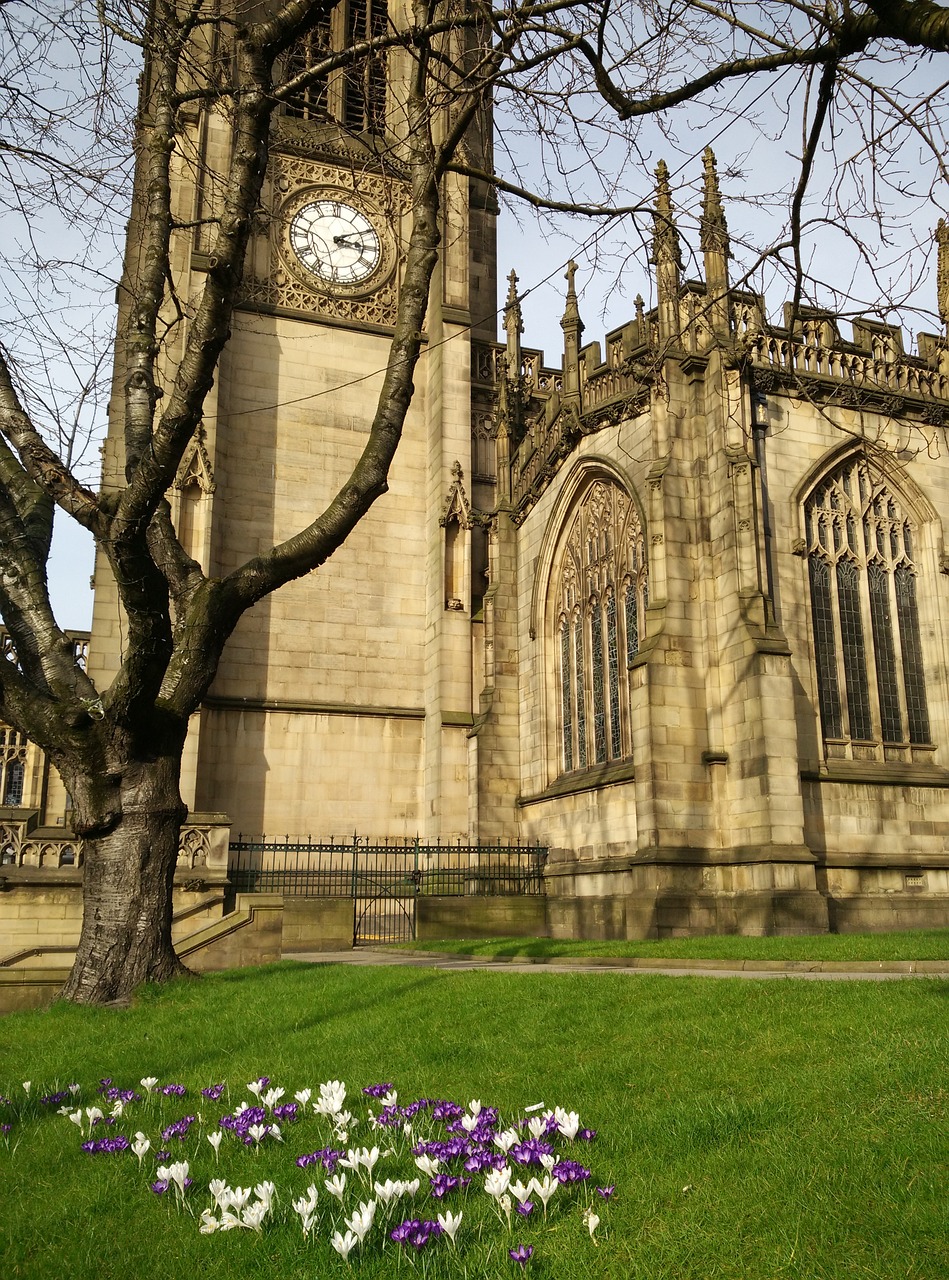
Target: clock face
[{"x": 335, "y": 242}]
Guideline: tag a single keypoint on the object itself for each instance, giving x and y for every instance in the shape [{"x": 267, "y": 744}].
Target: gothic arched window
[
  {"x": 599, "y": 600},
  {"x": 13, "y": 748},
  {"x": 355, "y": 95},
  {"x": 862, "y": 571}
]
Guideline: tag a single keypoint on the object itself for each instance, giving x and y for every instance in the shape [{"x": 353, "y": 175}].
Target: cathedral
[{"x": 670, "y": 606}]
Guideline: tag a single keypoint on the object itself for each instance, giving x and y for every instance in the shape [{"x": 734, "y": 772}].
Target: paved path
[{"x": 815, "y": 970}]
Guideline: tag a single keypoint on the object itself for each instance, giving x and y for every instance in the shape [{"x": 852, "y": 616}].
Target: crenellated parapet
[{"x": 547, "y": 410}]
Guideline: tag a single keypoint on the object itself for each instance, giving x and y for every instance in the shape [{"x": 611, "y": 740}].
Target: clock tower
[{"x": 343, "y": 702}]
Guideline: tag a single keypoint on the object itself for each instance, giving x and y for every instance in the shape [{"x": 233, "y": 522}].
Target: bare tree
[
  {"x": 618, "y": 64},
  {"x": 119, "y": 749}
]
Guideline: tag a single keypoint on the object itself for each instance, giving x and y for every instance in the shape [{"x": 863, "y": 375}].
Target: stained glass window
[
  {"x": 602, "y": 563},
  {"x": 867, "y": 642}
]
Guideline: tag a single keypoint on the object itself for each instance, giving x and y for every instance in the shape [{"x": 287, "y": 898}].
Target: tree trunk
[{"x": 128, "y": 880}]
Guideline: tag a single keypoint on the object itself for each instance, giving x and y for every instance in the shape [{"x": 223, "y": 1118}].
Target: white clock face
[{"x": 336, "y": 242}]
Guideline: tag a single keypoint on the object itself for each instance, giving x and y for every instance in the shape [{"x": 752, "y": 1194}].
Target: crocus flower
[
  {"x": 361, "y": 1221},
  {"x": 215, "y": 1141},
  {"x": 497, "y": 1181},
  {"x": 592, "y": 1222},
  {"x": 336, "y": 1185},
  {"x": 148, "y": 1083},
  {"x": 450, "y": 1223},
  {"x": 522, "y": 1254},
  {"x": 606, "y": 1192},
  {"x": 344, "y": 1244},
  {"x": 140, "y": 1145}
]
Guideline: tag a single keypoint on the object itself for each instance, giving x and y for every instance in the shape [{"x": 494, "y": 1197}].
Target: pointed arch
[
  {"x": 596, "y": 590},
  {"x": 860, "y": 541}
]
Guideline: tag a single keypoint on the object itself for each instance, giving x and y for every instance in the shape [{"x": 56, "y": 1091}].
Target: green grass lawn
[
  {"x": 919, "y": 944},
  {"x": 752, "y": 1129}
]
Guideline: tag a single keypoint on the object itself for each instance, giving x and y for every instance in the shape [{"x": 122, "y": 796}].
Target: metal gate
[
  {"x": 384, "y": 881},
  {"x": 385, "y": 888}
]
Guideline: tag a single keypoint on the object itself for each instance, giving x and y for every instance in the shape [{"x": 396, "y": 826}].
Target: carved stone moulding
[{"x": 282, "y": 283}]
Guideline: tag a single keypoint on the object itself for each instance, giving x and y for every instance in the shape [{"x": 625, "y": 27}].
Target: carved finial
[
  {"x": 456, "y": 471},
  {"x": 714, "y": 229},
  {"x": 513, "y": 320},
  {"x": 665, "y": 240},
  {"x": 512, "y": 289},
  {"x": 571, "y": 315},
  {"x": 942, "y": 271}
]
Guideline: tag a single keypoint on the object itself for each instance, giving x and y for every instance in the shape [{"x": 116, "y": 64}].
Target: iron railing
[{"x": 355, "y": 869}]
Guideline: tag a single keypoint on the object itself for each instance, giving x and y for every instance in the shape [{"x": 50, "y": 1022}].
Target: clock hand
[{"x": 347, "y": 242}]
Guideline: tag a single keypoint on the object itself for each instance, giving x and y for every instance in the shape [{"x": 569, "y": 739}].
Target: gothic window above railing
[
  {"x": 598, "y": 601},
  {"x": 355, "y": 95},
  {"x": 13, "y": 748},
  {"x": 862, "y": 571}
]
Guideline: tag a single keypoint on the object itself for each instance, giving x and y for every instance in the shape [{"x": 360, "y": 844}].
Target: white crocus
[
  {"x": 548, "y": 1162},
  {"x": 93, "y": 1114},
  {"x": 265, "y": 1191},
  {"x": 272, "y": 1097},
  {"x": 332, "y": 1097},
  {"x": 239, "y": 1196},
  {"x": 306, "y": 1206},
  {"x": 178, "y": 1174},
  {"x": 303, "y": 1096},
  {"x": 361, "y": 1158},
  {"x": 215, "y": 1141},
  {"x": 254, "y": 1215},
  {"x": 520, "y": 1191},
  {"x": 545, "y": 1189},
  {"x": 427, "y": 1165},
  {"x": 336, "y": 1185},
  {"x": 209, "y": 1223},
  {"x": 537, "y": 1126},
  {"x": 117, "y": 1108},
  {"x": 257, "y": 1131},
  {"x": 220, "y": 1191},
  {"x": 474, "y": 1106},
  {"x": 344, "y": 1244},
  {"x": 27, "y": 1086},
  {"x": 255, "y": 1087},
  {"x": 450, "y": 1223},
  {"x": 505, "y": 1140},
  {"x": 390, "y": 1099},
  {"x": 76, "y": 1118},
  {"x": 229, "y": 1221},
  {"x": 140, "y": 1145},
  {"x": 592, "y": 1222},
  {"x": 469, "y": 1123},
  {"x": 568, "y": 1122},
  {"x": 361, "y": 1221},
  {"x": 497, "y": 1181},
  {"x": 148, "y": 1083},
  {"x": 73, "y": 1089},
  {"x": 388, "y": 1190}
]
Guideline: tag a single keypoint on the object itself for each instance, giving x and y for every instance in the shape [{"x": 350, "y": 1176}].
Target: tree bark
[{"x": 128, "y": 879}]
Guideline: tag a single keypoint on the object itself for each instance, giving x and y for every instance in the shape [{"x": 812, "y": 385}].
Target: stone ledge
[
  {"x": 878, "y": 774},
  {"x": 604, "y": 775}
]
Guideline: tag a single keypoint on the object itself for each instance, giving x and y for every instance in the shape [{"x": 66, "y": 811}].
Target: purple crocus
[
  {"x": 606, "y": 1192},
  {"x": 415, "y": 1232},
  {"x": 570, "y": 1171},
  {"x": 522, "y": 1254},
  {"x": 378, "y": 1090},
  {"x": 213, "y": 1092}
]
